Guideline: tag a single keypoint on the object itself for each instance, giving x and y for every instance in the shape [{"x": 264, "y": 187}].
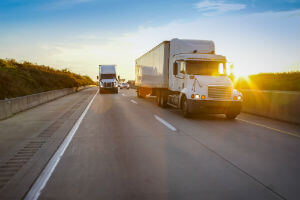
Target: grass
[
  {"x": 285, "y": 81},
  {"x": 19, "y": 79}
]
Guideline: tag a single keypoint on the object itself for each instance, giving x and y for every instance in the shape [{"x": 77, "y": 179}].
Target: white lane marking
[
  {"x": 167, "y": 124},
  {"x": 133, "y": 101},
  {"x": 42, "y": 180},
  {"x": 123, "y": 95}
]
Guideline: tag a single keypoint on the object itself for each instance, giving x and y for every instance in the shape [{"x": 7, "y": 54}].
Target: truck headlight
[
  {"x": 197, "y": 96},
  {"x": 237, "y": 98}
]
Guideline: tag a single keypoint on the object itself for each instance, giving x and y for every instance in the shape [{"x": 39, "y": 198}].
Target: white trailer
[
  {"x": 187, "y": 74},
  {"x": 108, "y": 79}
]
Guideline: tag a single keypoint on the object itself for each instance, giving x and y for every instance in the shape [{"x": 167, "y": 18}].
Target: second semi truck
[
  {"x": 188, "y": 75},
  {"x": 108, "y": 79}
]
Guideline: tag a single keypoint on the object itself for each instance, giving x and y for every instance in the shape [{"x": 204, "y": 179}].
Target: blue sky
[{"x": 80, "y": 34}]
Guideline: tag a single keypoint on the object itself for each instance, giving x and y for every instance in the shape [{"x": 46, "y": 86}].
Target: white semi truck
[
  {"x": 188, "y": 75},
  {"x": 107, "y": 79}
]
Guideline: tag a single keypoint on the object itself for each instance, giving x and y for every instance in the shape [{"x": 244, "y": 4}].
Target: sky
[{"x": 256, "y": 36}]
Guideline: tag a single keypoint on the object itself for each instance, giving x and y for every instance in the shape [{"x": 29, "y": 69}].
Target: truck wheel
[
  {"x": 158, "y": 98},
  {"x": 231, "y": 115},
  {"x": 185, "y": 108},
  {"x": 163, "y": 100}
]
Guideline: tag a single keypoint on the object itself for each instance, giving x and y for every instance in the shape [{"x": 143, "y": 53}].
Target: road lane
[
  {"x": 28, "y": 140},
  {"x": 42, "y": 180},
  {"x": 270, "y": 157},
  {"x": 122, "y": 152}
]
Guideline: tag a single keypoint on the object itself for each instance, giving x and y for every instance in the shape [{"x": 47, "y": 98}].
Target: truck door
[{"x": 179, "y": 70}]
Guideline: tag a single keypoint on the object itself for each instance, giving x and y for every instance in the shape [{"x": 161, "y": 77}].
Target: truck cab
[
  {"x": 108, "y": 79},
  {"x": 187, "y": 74},
  {"x": 200, "y": 79}
]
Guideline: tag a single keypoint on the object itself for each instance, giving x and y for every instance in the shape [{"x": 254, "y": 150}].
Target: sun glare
[{"x": 240, "y": 74}]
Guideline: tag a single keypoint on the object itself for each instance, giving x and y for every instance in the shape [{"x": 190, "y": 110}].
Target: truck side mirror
[
  {"x": 175, "y": 68},
  {"x": 119, "y": 78},
  {"x": 182, "y": 67},
  {"x": 97, "y": 77}
]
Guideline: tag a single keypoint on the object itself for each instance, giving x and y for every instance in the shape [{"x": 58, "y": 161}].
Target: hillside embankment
[
  {"x": 19, "y": 79},
  {"x": 285, "y": 81}
]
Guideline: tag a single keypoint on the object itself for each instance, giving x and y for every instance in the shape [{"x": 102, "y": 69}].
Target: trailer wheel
[{"x": 185, "y": 108}]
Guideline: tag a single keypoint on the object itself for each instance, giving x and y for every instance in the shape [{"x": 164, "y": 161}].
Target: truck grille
[
  {"x": 108, "y": 84},
  {"x": 219, "y": 92}
]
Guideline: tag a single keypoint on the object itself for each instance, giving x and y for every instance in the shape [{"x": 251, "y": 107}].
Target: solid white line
[
  {"x": 271, "y": 128},
  {"x": 167, "y": 124},
  {"x": 133, "y": 101},
  {"x": 42, "y": 180}
]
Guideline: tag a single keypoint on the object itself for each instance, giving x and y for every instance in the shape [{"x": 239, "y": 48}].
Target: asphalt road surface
[{"x": 128, "y": 148}]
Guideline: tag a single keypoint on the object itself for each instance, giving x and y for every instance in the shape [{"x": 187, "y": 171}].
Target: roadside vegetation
[
  {"x": 285, "y": 81},
  {"x": 19, "y": 79}
]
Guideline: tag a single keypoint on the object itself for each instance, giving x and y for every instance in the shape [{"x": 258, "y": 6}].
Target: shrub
[
  {"x": 19, "y": 79},
  {"x": 285, "y": 81}
]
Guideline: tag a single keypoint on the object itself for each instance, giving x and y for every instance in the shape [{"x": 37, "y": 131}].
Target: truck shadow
[{"x": 193, "y": 117}]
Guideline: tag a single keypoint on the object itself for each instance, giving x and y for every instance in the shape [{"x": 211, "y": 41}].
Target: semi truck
[
  {"x": 188, "y": 75},
  {"x": 107, "y": 79}
]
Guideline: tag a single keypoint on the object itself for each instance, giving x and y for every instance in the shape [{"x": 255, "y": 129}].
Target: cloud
[
  {"x": 257, "y": 42},
  {"x": 208, "y": 7}
]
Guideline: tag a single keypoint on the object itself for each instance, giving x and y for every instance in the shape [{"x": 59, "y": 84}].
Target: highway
[{"x": 129, "y": 148}]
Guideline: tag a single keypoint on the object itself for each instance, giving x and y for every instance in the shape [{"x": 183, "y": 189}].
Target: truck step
[{"x": 172, "y": 105}]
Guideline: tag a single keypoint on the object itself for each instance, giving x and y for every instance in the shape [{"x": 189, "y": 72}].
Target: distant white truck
[
  {"x": 187, "y": 74},
  {"x": 108, "y": 79}
]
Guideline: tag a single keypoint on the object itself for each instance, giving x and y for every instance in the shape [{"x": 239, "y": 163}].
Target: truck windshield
[
  {"x": 108, "y": 76},
  {"x": 210, "y": 68}
]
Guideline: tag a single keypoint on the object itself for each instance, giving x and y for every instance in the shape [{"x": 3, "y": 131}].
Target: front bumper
[
  {"x": 214, "y": 107},
  {"x": 109, "y": 88}
]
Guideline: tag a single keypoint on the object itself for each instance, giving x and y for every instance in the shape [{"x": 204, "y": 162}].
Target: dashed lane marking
[
  {"x": 164, "y": 122},
  {"x": 133, "y": 101}
]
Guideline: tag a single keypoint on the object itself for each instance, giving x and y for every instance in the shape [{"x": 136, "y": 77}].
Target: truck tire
[
  {"x": 158, "y": 101},
  {"x": 231, "y": 115},
  {"x": 158, "y": 97},
  {"x": 185, "y": 108},
  {"x": 163, "y": 99}
]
